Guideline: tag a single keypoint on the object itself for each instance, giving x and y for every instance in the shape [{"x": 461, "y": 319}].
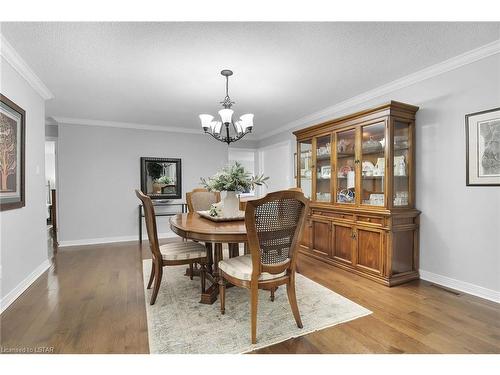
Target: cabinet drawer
[
  {"x": 370, "y": 220},
  {"x": 334, "y": 215}
]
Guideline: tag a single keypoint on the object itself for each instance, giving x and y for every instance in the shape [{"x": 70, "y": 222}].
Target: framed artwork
[
  {"x": 161, "y": 178},
  {"x": 482, "y": 135},
  {"x": 12, "y": 152}
]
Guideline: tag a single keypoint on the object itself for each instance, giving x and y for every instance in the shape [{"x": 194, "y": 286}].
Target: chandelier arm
[{"x": 219, "y": 138}]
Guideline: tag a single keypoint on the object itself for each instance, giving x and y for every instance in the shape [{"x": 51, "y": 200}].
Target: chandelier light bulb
[
  {"x": 226, "y": 115},
  {"x": 206, "y": 121},
  {"x": 247, "y": 121},
  {"x": 239, "y": 126},
  {"x": 216, "y": 126}
]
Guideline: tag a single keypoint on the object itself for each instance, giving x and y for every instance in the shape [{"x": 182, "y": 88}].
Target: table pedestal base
[{"x": 210, "y": 294}]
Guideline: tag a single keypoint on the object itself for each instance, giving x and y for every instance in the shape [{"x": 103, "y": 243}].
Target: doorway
[{"x": 51, "y": 194}]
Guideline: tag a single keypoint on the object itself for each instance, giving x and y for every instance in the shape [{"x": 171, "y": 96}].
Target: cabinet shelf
[
  {"x": 323, "y": 157},
  {"x": 345, "y": 155}
]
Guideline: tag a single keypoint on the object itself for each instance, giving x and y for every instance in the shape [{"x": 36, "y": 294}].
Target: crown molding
[
  {"x": 17, "y": 62},
  {"x": 126, "y": 125},
  {"x": 123, "y": 125},
  {"x": 466, "y": 58}
]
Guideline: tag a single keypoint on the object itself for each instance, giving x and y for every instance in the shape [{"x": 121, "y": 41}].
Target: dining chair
[
  {"x": 274, "y": 225},
  {"x": 201, "y": 199},
  {"x": 171, "y": 254}
]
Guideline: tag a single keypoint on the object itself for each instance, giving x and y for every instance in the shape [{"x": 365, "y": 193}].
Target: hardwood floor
[{"x": 92, "y": 301}]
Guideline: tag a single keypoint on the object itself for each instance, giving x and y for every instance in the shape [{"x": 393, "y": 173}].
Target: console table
[{"x": 182, "y": 205}]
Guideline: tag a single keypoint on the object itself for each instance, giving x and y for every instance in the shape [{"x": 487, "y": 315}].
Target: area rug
[{"x": 178, "y": 323}]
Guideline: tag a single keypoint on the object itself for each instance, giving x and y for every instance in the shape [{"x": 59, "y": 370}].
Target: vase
[
  {"x": 231, "y": 205},
  {"x": 157, "y": 187}
]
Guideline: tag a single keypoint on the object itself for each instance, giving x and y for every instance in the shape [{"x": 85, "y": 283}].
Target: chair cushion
[
  {"x": 241, "y": 268},
  {"x": 183, "y": 251}
]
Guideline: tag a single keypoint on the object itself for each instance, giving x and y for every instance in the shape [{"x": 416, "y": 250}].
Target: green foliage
[
  {"x": 165, "y": 180},
  {"x": 233, "y": 178},
  {"x": 155, "y": 170}
]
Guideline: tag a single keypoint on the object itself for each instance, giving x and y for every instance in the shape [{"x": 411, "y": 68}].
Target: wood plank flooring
[{"x": 92, "y": 301}]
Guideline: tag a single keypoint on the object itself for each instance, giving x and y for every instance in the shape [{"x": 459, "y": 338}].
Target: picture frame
[
  {"x": 161, "y": 178},
  {"x": 12, "y": 154},
  {"x": 482, "y": 148}
]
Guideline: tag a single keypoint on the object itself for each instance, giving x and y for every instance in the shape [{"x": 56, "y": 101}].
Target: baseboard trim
[
  {"x": 462, "y": 286},
  {"x": 23, "y": 285},
  {"x": 95, "y": 241}
]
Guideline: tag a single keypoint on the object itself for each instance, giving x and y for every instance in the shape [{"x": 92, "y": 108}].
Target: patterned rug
[{"x": 178, "y": 323}]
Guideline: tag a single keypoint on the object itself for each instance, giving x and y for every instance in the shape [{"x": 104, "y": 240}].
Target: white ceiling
[{"x": 165, "y": 74}]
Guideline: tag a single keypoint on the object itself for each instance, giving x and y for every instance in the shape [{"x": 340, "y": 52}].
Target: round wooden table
[{"x": 193, "y": 226}]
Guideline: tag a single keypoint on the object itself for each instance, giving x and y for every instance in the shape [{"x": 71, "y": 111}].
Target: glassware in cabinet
[
  {"x": 323, "y": 169},
  {"x": 373, "y": 138},
  {"x": 401, "y": 162},
  {"x": 305, "y": 167},
  {"x": 345, "y": 147}
]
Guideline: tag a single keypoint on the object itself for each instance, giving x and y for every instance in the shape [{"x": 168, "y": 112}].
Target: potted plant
[
  {"x": 232, "y": 179},
  {"x": 155, "y": 170},
  {"x": 165, "y": 181}
]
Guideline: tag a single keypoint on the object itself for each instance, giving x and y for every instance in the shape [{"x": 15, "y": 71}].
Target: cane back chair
[
  {"x": 201, "y": 199},
  {"x": 274, "y": 225},
  {"x": 171, "y": 254}
]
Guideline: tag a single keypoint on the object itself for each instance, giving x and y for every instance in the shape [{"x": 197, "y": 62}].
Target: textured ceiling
[{"x": 167, "y": 73}]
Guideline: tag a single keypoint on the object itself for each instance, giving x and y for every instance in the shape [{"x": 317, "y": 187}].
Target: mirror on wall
[{"x": 161, "y": 178}]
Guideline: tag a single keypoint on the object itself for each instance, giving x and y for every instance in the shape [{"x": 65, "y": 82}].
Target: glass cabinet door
[
  {"x": 305, "y": 167},
  {"x": 401, "y": 162},
  {"x": 373, "y": 164},
  {"x": 345, "y": 148},
  {"x": 323, "y": 168}
]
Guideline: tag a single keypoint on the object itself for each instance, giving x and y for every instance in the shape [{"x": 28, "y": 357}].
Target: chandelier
[{"x": 238, "y": 128}]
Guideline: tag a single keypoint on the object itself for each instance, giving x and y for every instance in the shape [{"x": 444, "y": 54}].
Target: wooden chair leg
[
  {"x": 191, "y": 271},
  {"x": 254, "y": 297},
  {"x": 203, "y": 271},
  {"x": 158, "y": 276},
  {"x": 292, "y": 298},
  {"x": 272, "y": 293},
  {"x": 222, "y": 295},
  {"x": 152, "y": 275}
]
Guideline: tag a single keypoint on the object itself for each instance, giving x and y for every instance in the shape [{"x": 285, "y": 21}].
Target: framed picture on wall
[
  {"x": 482, "y": 134},
  {"x": 12, "y": 144},
  {"x": 161, "y": 178}
]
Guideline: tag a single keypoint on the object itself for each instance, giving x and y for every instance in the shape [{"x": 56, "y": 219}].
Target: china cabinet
[{"x": 359, "y": 173}]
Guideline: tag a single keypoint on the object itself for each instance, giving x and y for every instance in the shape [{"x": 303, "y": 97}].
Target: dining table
[{"x": 194, "y": 227}]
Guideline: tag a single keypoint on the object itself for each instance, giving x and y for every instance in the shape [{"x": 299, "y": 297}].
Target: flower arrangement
[
  {"x": 233, "y": 178},
  {"x": 164, "y": 180}
]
